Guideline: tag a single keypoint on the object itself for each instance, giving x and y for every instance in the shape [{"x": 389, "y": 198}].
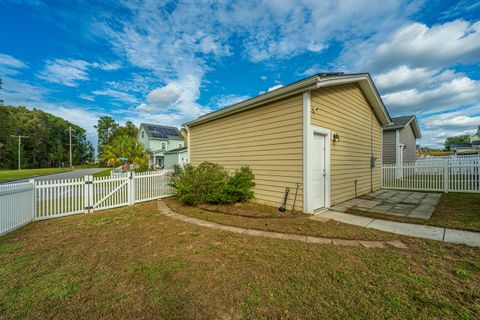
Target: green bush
[{"x": 211, "y": 183}]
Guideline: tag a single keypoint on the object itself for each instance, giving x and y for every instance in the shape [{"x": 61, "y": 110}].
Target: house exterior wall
[
  {"x": 389, "y": 147},
  {"x": 145, "y": 139},
  {"x": 344, "y": 109},
  {"x": 267, "y": 138},
  {"x": 407, "y": 138},
  {"x": 172, "y": 159},
  {"x": 156, "y": 144}
]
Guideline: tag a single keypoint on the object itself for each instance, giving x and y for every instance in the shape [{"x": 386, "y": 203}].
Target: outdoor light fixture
[{"x": 335, "y": 137}]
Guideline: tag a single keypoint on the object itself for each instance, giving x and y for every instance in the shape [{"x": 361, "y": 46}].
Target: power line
[{"x": 20, "y": 137}]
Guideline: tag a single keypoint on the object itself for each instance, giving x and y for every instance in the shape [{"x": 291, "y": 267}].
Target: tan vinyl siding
[
  {"x": 345, "y": 110},
  {"x": 389, "y": 146},
  {"x": 407, "y": 137},
  {"x": 267, "y": 138}
]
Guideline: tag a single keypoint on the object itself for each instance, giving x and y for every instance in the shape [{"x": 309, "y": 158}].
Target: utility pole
[
  {"x": 19, "y": 144},
  {"x": 70, "y": 145}
]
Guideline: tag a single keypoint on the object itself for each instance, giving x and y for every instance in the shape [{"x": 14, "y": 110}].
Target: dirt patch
[{"x": 250, "y": 209}]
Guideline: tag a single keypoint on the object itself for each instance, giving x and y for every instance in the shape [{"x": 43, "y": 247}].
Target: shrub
[{"x": 211, "y": 183}]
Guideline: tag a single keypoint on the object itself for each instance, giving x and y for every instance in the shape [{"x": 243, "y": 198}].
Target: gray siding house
[
  {"x": 399, "y": 140},
  {"x": 176, "y": 156}
]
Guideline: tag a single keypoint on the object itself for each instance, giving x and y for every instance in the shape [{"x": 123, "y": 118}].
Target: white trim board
[{"x": 305, "y": 126}]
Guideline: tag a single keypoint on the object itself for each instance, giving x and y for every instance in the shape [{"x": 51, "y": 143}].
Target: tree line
[{"x": 47, "y": 144}]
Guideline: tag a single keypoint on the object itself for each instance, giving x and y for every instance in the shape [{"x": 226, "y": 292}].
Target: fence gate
[{"x": 108, "y": 192}]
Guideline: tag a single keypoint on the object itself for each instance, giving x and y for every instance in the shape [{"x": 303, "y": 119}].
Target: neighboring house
[
  {"x": 476, "y": 136},
  {"x": 468, "y": 148},
  {"x": 176, "y": 156},
  {"x": 158, "y": 140},
  {"x": 323, "y": 133},
  {"x": 463, "y": 148},
  {"x": 400, "y": 140}
]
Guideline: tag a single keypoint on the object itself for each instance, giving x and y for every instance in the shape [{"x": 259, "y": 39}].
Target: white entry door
[{"x": 318, "y": 179}]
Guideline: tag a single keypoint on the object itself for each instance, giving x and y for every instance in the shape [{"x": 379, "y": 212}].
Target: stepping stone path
[
  {"x": 165, "y": 210},
  {"x": 410, "y": 204}
]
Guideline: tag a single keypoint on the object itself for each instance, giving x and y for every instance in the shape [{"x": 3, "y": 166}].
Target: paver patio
[{"x": 411, "y": 204}]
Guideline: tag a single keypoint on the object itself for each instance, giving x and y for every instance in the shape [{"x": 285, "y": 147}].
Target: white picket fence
[
  {"x": 16, "y": 205},
  {"x": 21, "y": 203},
  {"x": 452, "y": 157},
  {"x": 445, "y": 176}
]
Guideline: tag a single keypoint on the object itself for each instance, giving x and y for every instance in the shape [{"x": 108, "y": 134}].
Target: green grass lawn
[
  {"x": 454, "y": 210},
  {"x": 7, "y": 175},
  {"x": 104, "y": 173},
  {"x": 135, "y": 263}
]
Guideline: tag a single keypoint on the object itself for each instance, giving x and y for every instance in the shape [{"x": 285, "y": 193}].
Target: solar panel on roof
[{"x": 162, "y": 132}]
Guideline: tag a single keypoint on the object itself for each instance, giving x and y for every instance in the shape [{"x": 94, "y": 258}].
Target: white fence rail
[
  {"x": 452, "y": 157},
  {"x": 445, "y": 176},
  {"x": 21, "y": 203}
]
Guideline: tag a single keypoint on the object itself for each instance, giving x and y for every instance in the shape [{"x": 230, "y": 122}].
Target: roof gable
[
  {"x": 314, "y": 82},
  {"x": 402, "y": 122}
]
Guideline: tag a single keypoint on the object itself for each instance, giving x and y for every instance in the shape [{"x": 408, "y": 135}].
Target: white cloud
[
  {"x": 87, "y": 97},
  {"x": 263, "y": 77},
  {"x": 65, "y": 72},
  {"x": 10, "y": 65},
  {"x": 70, "y": 72},
  {"x": 106, "y": 66},
  {"x": 417, "y": 45},
  {"x": 312, "y": 70},
  {"x": 178, "y": 54},
  {"x": 441, "y": 95},
  {"x": 414, "y": 69},
  {"x": 116, "y": 95},
  {"x": 179, "y": 97},
  {"x": 402, "y": 77},
  {"x": 18, "y": 93},
  {"x": 281, "y": 29},
  {"x": 437, "y": 127},
  {"x": 227, "y": 100},
  {"x": 277, "y": 86}
]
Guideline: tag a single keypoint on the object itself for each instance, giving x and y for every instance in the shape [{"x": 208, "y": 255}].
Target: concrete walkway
[
  {"x": 408, "y": 229},
  {"x": 165, "y": 210}
]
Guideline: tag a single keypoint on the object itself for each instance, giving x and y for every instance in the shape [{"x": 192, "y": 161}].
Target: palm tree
[{"x": 124, "y": 146}]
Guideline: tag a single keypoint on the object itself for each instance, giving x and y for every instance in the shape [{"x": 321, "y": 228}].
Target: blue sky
[{"x": 169, "y": 62}]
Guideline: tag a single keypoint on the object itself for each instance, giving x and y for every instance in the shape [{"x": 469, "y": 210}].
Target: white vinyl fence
[
  {"x": 447, "y": 175},
  {"x": 16, "y": 205},
  {"x": 21, "y": 203}
]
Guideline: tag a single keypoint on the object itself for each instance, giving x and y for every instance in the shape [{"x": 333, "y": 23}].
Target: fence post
[
  {"x": 34, "y": 198},
  {"x": 446, "y": 176},
  {"x": 87, "y": 193},
  {"x": 131, "y": 188}
]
